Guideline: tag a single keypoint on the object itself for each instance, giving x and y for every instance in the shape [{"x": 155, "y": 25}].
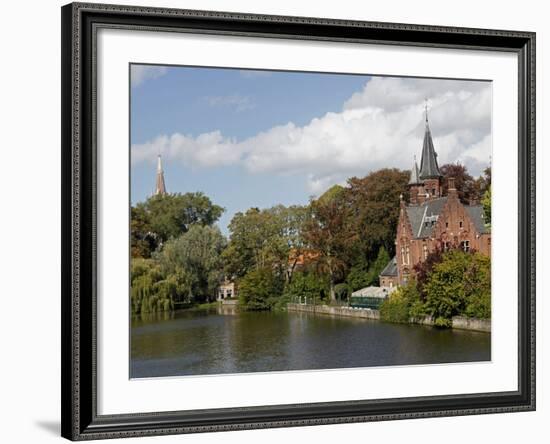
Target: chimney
[{"x": 451, "y": 190}]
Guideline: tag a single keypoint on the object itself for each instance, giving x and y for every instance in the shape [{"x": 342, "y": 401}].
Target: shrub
[
  {"x": 395, "y": 308},
  {"x": 403, "y": 304}
]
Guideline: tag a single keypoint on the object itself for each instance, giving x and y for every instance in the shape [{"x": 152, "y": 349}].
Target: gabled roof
[
  {"x": 477, "y": 215},
  {"x": 429, "y": 168},
  {"x": 390, "y": 269},
  {"x": 426, "y": 212},
  {"x": 423, "y": 218}
]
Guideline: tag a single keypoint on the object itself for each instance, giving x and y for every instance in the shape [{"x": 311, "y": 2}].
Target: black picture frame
[{"x": 80, "y": 22}]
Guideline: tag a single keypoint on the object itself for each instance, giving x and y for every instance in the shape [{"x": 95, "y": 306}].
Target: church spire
[
  {"x": 160, "y": 188},
  {"x": 429, "y": 168}
]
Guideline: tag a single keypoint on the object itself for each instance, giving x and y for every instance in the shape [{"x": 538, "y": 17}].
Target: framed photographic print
[{"x": 280, "y": 221}]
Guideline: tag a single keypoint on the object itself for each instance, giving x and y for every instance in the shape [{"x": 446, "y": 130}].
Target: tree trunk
[
  {"x": 290, "y": 272},
  {"x": 332, "y": 292}
]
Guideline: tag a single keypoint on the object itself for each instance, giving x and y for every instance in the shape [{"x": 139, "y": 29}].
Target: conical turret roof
[
  {"x": 429, "y": 169},
  {"x": 415, "y": 174}
]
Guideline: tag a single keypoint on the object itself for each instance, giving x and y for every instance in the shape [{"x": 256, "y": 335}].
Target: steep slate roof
[
  {"x": 478, "y": 217},
  {"x": 415, "y": 175},
  {"x": 428, "y": 164},
  {"x": 390, "y": 269},
  {"x": 418, "y": 215}
]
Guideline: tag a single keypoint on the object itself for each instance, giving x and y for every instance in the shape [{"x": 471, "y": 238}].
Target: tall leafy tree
[
  {"x": 486, "y": 202},
  {"x": 142, "y": 238},
  {"x": 259, "y": 289},
  {"x": 464, "y": 182},
  {"x": 373, "y": 203},
  {"x": 194, "y": 260},
  {"x": 263, "y": 239},
  {"x": 170, "y": 215},
  {"x": 328, "y": 232},
  {"x": 459, "y": 284},
  {"x": 377, "y": 266}
]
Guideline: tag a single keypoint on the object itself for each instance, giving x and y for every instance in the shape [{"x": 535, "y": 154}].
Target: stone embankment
[{"x": 459, "y": 322}]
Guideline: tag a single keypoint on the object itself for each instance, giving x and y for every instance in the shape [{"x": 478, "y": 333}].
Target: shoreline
[{"x": 458, "y": 322}]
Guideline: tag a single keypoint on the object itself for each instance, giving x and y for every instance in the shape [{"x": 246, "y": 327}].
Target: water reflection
[{"x": 197, "y": 342}]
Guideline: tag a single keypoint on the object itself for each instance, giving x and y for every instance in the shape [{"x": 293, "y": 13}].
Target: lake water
[{"x": 195, "y": 342}]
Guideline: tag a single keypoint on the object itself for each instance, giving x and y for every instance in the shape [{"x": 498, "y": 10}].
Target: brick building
[{"x": 432, "y": 221}]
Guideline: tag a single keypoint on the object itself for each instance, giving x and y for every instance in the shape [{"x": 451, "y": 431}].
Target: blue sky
[
  {"x": 260, "y": 138},
  {"x": 191, "y": 101}
]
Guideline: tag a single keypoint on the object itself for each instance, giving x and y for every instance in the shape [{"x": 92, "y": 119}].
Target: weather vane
[{"x": 426, "y": 108}]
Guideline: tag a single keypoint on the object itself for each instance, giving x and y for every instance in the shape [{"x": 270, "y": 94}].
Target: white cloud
[
  {"x": 235, "y": 101},
  {"x": 380, "y": 126},
  {"x": 253, "y": 74},
  {"x": 141, "y": 73}
]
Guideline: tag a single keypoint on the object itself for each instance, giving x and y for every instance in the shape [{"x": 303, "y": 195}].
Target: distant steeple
[
  {"x": 428, "y": 163},
  {"x": 160, "y": 188},
  {"x": 415, "y": 174}
]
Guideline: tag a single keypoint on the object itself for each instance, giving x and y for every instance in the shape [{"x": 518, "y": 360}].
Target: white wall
[{"x": 30, "y": 219}]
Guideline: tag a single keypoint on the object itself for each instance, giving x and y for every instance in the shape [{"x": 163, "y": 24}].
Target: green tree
[
  {"x": 142, "y": 238},
  {"x": 193, "y": 261},
  {"x": 334, "y": 192},
  {"x": 170, "y": 215},
  {"x": 486, "y": 202},
  {"x": 403, "y": 304},
  {"x": 293, "y": 219},
  {"x": 264, "y": 239},
  {"x": 307, "y": 286},
  {"x": 260, "y": 289},
  {"x": 342, "y": 291},
  {"x": 327, "y": 231},
  {"x": 149, "y": 291},
  {"x": 377, "y": 266},
  {"x": 460, "y": 284},
  {"x": 373, "y": 203},
  {"x": 358, "y": 276},
  {"x": 464, "y": 182},
  {"x": 361, "y": 275},
  {"x": 424, "y": 269}
]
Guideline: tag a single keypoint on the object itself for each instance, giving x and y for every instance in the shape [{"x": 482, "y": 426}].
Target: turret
[
  {"x": 415, "y": 184},
  {"x": 430, "y": 174}
]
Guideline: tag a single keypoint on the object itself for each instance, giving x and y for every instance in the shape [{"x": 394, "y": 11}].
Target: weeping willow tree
[{"x": 150, "y": 292}]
